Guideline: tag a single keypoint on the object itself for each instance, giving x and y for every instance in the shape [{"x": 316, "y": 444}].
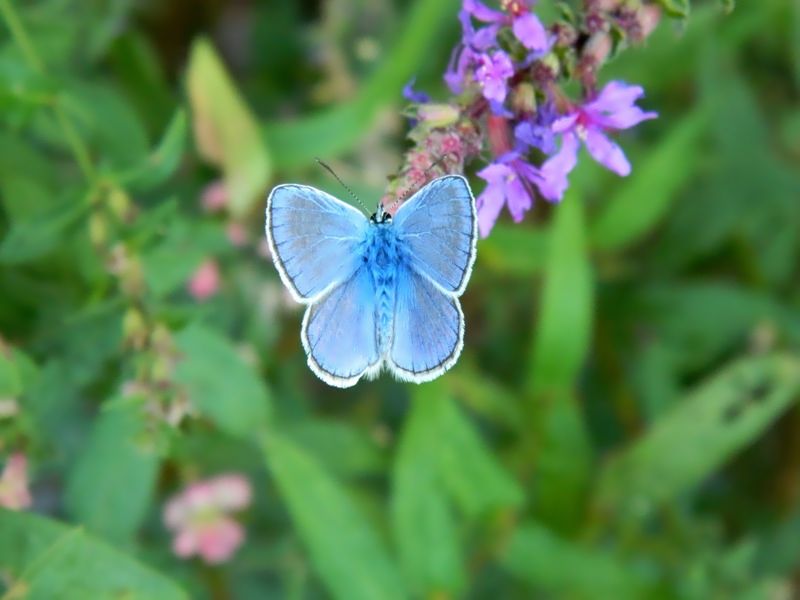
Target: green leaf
[
  {"x": 563, "y": 331},
  {"x": 10, "y": 377},
  {"x": 344, "y": 549},
  {"x": 643, "y": 200},
  {"x": 46, "y": 559},
  {"x": 562, "y": 336},
  {"x": 169, "y": 263},
  {"x": 339, "y": 446},
  {"x": 32, "y": 238},
  {"x": 469, "y": 470},
  {"x": 225, "y": 131},
  {"x": 566, "y": 570},
  {"x": 514, "y": 250},
  {"x": 676, "y": 8},
  {"x": 336, "y": 130},
  {"x": 423, "y": 522},
  {"x": 163, "y": 161},
  {"x": 219, "y": 382},
  {"x": 706, "y": 429},
  {"x": 111, "y": 485}
]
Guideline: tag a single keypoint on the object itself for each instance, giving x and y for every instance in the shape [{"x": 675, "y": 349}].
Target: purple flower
[
  {"x": 526, "y": 26},
  {"x": 613, "y": 109},
  {"x": 537, "y": 132},
  {"x": 509, "y": 182},
  {"x": 410, "y": 94},
  {"x": 492, "y": 74}
]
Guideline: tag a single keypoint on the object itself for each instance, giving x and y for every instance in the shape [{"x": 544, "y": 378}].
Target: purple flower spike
[
  {"x": 492, "y": 74},
  {"x": 613, "y": 109}
]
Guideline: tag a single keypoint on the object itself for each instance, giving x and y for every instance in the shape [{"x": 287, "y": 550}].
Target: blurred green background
[{"x": 622, "y": 422}]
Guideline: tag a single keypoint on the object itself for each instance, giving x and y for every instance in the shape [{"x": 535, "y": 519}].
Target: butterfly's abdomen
[{"x": 382, "y": 256}]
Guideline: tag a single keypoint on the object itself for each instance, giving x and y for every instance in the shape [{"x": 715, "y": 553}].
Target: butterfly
[{"x": 381, "y": 292}]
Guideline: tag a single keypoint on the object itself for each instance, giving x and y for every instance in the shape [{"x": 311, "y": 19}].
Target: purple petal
[
  {"x": 518, "y": 199},
  {"x": 606, "y": 152},
  {"x": 552, "y": 180},
  {"x": 495, "y": 173},
  {"x": 482, "y": 12},
  {"x": 460, "y": 60},
  {"x": 489, "y": 204},
  {"x": 564, "y": 123},
  {"x": 615, "y": 96},
  {"x": 410, "y": 94},
  {"x": 529, "y": 30},
  {"x": 624, "y": 119},
  {"x": 499, "y": 109},
  {"x": 492, "y": 75},
  {"x": 536, "y": 136},
  {"x": 484, "y": 38}
]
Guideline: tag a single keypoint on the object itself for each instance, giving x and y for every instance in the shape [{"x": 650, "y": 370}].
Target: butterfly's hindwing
[
  {"x": 339, "y": 332},
  {"x": 314, "y": 239},
  {"x": 428, "y": 329}
]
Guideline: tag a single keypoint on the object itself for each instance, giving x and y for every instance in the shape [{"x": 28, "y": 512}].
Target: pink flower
[
  {"x": 214, "y": 197},
  {"x": 14, "y": 493},
  {"x": 236, "y": 233},
  {"x": 205, "y": 280},
  {"x": 199, "y": 518}
]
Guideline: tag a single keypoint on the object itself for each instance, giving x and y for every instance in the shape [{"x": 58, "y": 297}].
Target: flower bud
[
  {"x": 438, "y": 115},
  {"x": 523, "y": 100},
  {"x": 120, "y": 204},
  {"x": 597, "y": 49},
  {"x": 134, "y": 329},
  {"x": 98, "y": 229}
]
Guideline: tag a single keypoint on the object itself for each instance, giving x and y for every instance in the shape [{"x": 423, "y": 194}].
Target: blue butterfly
[{"x": 381, "y": 292}]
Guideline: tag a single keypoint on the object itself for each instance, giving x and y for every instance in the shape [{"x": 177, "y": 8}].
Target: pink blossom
[
  {"x": 199, "y": 517},
  {"x": 214, "y": 197},
  {"x": 205, "y": 280},
  {"x": 236, "y": 233},
  {"x": 14, "y": 493}
]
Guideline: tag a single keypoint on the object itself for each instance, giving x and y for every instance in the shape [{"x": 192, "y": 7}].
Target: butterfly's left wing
[
  {"x": 428, "y": 329},
  {"x": 314, "y": 239},
  {"x": 439, "y": 228}
]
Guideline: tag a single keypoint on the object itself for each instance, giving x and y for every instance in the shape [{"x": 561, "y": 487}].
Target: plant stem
[{"x": 79, "y": 150}]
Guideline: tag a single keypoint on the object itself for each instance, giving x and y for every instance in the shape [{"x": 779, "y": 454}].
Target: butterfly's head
[{"x": 380, "y": 216}]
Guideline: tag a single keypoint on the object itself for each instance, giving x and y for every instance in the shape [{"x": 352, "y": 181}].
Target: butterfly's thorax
[{"x": 382, "y": 255}]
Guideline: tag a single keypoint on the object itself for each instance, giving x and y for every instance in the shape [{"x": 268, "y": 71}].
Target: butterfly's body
[
  {"x": 384, "y": 257},
  {"x": 381, "y": 292}
]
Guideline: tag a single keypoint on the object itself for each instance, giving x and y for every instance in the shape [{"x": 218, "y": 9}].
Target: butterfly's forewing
[
  {"x": 428, "y": 330},
  {"x": 439, "y": 228},
  {"x": 314, "y": 239},
  {"x": 339, "y": 332}
]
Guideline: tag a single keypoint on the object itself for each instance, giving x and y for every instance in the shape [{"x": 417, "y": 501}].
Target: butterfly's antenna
[
  {"x": 349, "y": 191},
  {"x": 402, "y": 197}
]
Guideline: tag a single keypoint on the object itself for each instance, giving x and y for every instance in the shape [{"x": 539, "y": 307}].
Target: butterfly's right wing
[
  {"x": 339, "y": 332},
  {"x": 314, "y": 239},
  {"x": 439, "y": 229}
]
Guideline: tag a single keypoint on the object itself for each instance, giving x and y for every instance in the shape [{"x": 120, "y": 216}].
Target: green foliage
[
  {"x": 622, "y": 422},
  {"x": 42, "y": 558},
  {"x": 111, "y": 485},
  {"x": 344, "y": 546}
]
